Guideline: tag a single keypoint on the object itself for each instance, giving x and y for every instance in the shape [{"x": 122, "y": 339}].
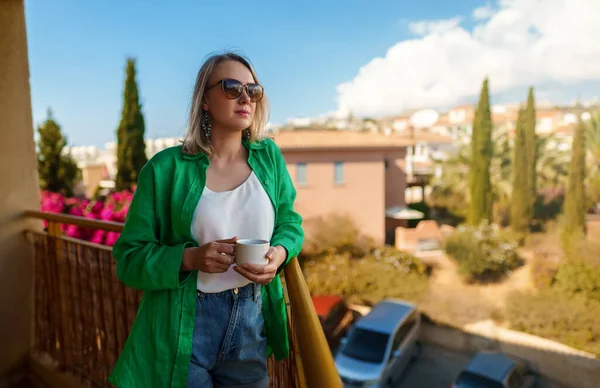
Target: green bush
[
  {"x": 548, "y": 206},
  {"x": 335, "y": 234},
  {"x": 482, "y": 253},
  {"x": 421, "y": 207},
  {"x": 387, "y": 272},
  {"x": 572, "y": 320},
  {"x": 543, "y": 270},
  {"x": 579, "y": 273},
  {"x": 579, "y": 277}
]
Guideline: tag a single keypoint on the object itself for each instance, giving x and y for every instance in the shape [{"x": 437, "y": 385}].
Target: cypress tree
[
  {"x": 57, "y": 171},
  {"x": 575, "y": 200},
  {"x": 480, "y": 207},
  {"x": 519, "y": 201},
  {"x": 131, "y": 149},
  {"x": 532, "y": 153}
]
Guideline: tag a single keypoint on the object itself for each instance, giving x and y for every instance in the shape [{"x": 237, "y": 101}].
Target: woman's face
[{"x": 233, "y": 114}]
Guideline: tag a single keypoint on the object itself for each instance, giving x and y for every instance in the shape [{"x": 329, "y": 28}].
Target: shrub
[
  {"x": 335, "y": 234},
  {"x": 421, "y": 207},
  {"x": 113, "y": 207},
  {"x": 580, "y": 272},
  {"x": 386, "y": 273},
  {"x": 542, "y": 270},
  {"x": 443, "y": 215},
  {"x": 548, "y": 206},
  {"x": 572, "y": 320},
  {"x": 482, "y": 253}
]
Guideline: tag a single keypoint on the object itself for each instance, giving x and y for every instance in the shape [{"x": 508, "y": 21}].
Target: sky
[{"x": 314, "y": 58}]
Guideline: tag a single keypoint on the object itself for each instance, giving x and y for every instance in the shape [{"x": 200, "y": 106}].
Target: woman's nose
[{"x": 244, "y": 97}]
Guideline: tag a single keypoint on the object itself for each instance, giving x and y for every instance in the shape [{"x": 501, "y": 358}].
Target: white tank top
[{"x": 245, "y": 212}]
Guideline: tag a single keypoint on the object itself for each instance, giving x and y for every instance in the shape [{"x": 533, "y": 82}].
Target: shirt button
[{"x": 266, "y": 182}]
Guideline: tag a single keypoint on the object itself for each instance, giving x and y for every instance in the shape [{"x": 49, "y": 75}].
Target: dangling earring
[
  {"x": 206, "y": 125},
  {"x": 247, "y": 134}
]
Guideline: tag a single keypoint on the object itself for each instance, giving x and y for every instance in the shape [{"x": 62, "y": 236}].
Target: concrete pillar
[{"x": 18, "y": 191}]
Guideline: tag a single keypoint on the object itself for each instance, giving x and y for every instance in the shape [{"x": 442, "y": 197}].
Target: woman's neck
[{"x": 226, "y": 145}]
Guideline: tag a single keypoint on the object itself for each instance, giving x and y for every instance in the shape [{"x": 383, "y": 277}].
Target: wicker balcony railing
[{"x": 83, "y": 313}]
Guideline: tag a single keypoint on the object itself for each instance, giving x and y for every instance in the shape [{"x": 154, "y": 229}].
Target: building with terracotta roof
[{"x": 355, "y": 173}]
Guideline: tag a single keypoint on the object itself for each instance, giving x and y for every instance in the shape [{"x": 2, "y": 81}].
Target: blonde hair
[{"x": 195, "y": 140}]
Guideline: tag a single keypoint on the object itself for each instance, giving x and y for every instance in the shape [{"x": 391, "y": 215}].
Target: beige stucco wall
[
  {"x": 395, "y": 178},
  {"x": 362, "y": 195},
  {"x": 91, "y": 176},
  {"x": 18, "y": 189}
]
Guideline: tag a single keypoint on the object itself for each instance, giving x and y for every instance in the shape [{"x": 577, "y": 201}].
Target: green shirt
[{"x": 149, "y": 253}]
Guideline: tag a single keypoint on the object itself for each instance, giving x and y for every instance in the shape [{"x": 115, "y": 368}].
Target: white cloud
[
  {"x": 424, "y": 27},
  {"x": 483, "y": 13},
  {"x": 523, "y": 42}
]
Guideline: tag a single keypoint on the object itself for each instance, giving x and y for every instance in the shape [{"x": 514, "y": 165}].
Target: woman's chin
[{"x": 239, "y": 124}]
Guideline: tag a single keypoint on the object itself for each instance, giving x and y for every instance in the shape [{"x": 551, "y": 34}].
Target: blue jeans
[{"x": 229, "y": 346}]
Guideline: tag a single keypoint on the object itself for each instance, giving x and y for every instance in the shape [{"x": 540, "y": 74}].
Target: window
[
  {"x": 338, "y": 173},
  {"x": 366, "y": 345},
  {"x": 301, "y": 173},
  {"x": 404, "y": 330}
]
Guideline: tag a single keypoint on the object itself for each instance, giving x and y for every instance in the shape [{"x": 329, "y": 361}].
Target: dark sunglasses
[{"x": 233, "y": 88}]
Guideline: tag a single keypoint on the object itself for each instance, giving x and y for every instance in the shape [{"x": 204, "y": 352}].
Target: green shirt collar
[{"x": 249, "y": 146}]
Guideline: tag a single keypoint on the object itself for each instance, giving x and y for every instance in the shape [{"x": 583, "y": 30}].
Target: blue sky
[
  {"x": 313, "y": 57},
  {"x": 301, "y": 50}
]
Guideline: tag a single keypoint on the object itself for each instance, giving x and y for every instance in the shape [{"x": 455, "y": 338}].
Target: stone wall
[{"x": 556, "y": 362}]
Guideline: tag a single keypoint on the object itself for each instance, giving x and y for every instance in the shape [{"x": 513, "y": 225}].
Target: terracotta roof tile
[
  {"x": 424, "y": 136},
  {"x": 565, "y": 130},
  {"x": 464, "y": 106},
  {"x": 547, "y": 113},
  {"x": 443, "y": 121},
  {"x": 337, "y": 139}
]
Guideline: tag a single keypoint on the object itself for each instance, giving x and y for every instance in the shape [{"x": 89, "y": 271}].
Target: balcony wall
[
  {"x": 18, "y": 190},
  {"x": 83, "y": 313}
]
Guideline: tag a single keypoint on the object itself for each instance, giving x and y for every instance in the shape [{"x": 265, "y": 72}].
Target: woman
[{"x": 204, "y": 321}]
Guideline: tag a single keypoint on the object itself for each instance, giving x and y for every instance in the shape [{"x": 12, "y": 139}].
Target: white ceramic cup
[{"x": 251, "y": 251}]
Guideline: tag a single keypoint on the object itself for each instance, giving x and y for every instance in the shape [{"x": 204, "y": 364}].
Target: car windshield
[
  {"x": 470, "y": 380},
  {"x": 366, "y": 345}
]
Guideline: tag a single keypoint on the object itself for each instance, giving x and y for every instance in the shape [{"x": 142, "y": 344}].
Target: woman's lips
[{"x": 243, "y": 113}]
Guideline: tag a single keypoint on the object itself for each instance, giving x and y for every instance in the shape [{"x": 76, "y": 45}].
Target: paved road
[{"x": 437, "y": 368}]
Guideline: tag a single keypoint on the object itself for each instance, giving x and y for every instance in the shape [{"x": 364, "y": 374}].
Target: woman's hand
[
  {"x": 263, "y": 274},
  {"x": 213, "y": 257}
]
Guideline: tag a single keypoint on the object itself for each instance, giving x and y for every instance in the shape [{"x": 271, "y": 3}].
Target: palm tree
[
  {"x": 451, "y": 190},
  {"x": 552, "y": 166}
]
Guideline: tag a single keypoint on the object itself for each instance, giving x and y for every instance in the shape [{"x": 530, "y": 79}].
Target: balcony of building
[{"x": 64, "y": 315}]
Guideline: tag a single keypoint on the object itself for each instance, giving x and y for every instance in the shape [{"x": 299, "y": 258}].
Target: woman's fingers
[
  {"x": 256, "y": 268},
  {"x": 228, "y": 249},
  {"x": 225, "y": 260},
  {"x": 261, "y": 274},
  {"x": 271, "y": 253},
  {"x": 247, "y": 274}
]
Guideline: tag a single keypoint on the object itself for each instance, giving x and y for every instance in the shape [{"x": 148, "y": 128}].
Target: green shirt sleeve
[
  {"x": 143, "y": 262},
  {"x": 288, "y": 230}
]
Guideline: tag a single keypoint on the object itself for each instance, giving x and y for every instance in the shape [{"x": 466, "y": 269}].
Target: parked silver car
[
  {"x": 380, "y": 346},
  {"x": 496, "y": 370}
]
